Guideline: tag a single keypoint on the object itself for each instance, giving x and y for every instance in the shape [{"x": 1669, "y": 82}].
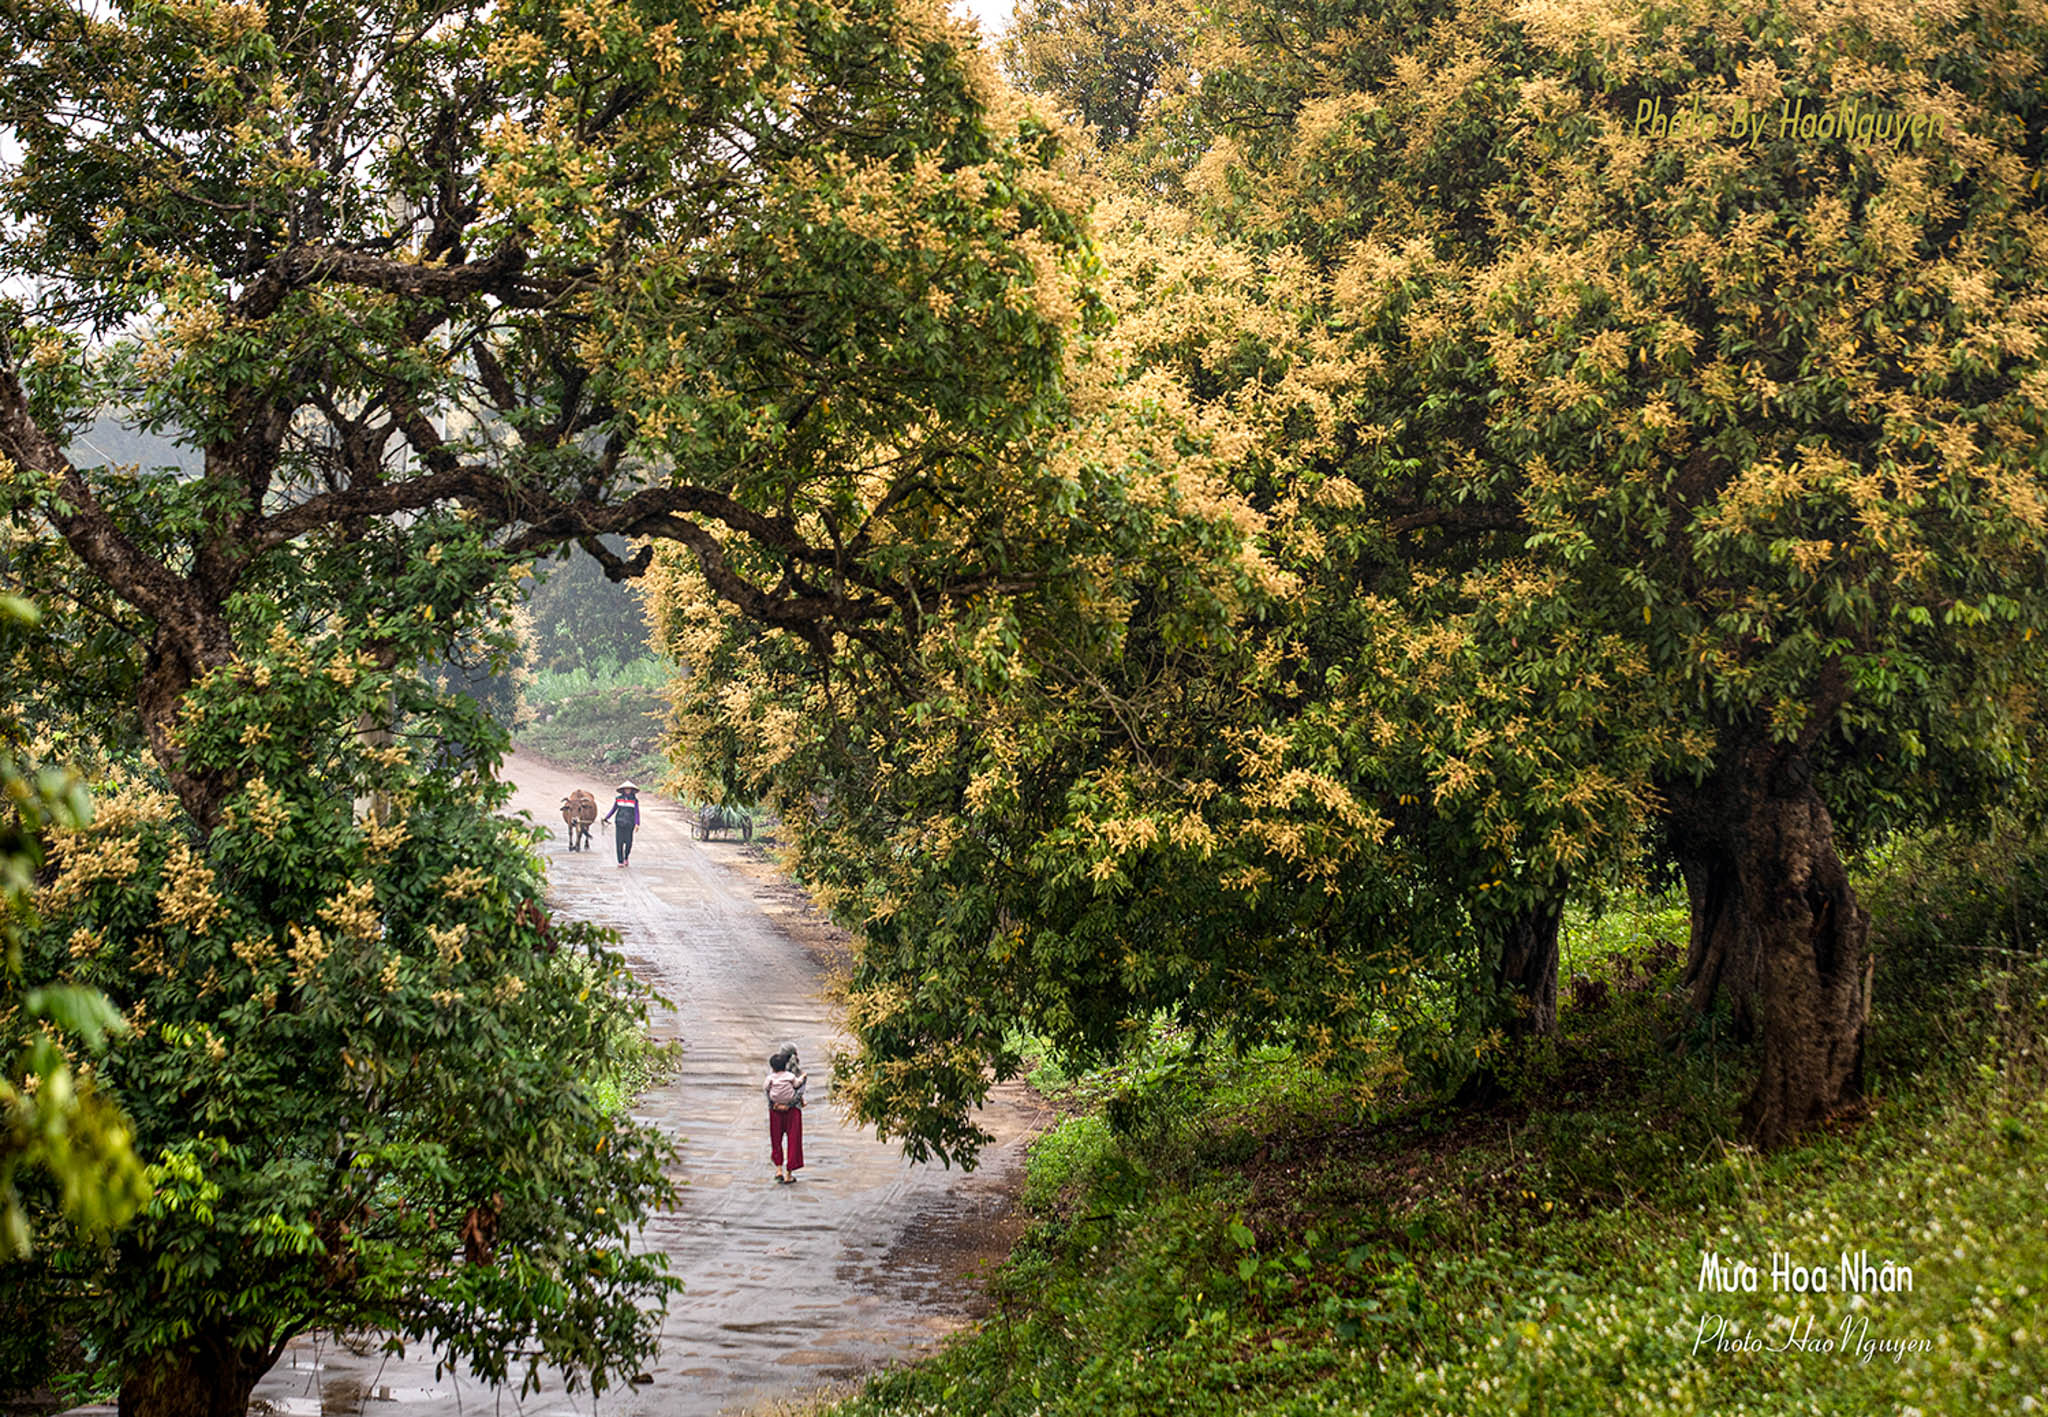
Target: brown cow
[{"x": 579, "y": 810}]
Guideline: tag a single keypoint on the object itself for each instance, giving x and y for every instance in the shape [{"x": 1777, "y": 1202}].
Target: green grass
[
  {"x": 1229, "y": 1236},
  {"x": 1595, "y": 943},
  {"x": 554, "y": 686},
  {"x": 608, "y": 725}
]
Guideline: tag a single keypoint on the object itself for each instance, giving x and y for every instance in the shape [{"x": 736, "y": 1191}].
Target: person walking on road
[
  {"x": 627, "y": 811},
  {"x": 785, "y": 1089}
]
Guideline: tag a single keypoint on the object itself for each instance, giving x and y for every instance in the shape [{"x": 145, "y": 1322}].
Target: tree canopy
[
  {"x": 1614, "y": 488},
  {"x": 53, "y": 1119},
  {"x": 1739, "y": 429},
  {"x": 632, "y": 272},
  {"x": 360, "y": 1065},
  {"x": 582, "y": 619},
  {"x": 1479, "y": 448},
  {"x": 1109, "y": 64},
  {"x": 427, "y": 290}
]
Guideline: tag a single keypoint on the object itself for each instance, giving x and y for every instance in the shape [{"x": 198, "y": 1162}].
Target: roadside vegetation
[
  {"x": 1467, "y": 498},
  {"x": 1246, "y": 1235},
  {"x": 605, "y": 720},
  {"x": 592, "y": 698}
]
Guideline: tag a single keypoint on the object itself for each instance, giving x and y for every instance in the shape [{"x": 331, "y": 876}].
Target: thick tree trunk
[
  {"x": 1812, "y": 969},
  {"x": 207, "y": 1378},
  {"x": 1777, "y": 926},
  {"x": 192, "y": 634},
  {"x": 172, "y": 669},
  {"x": 1719, "y": 961},
  {"x": 1528, "y": 969}
]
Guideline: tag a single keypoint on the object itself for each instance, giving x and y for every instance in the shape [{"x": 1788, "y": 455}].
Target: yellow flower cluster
[
  {"x": 448, "y": 943},
  {"x": 389, "y": 755},
  {"x": 185, "y": 896},
  {"x": 262, "y": 808},
  {"x": 255, "y": 953},
  {"x": 309, "y": 950},
  {"x": 514, "y": 50},
  {"x": 289, "y": 648},
  {"x": 464, "y": 882},
  {"x": 88, "y": 858},
  {"x": 344, "y": 668},
  {"x": 382, "y": 837},
  {"x": 353, "y": 911}
]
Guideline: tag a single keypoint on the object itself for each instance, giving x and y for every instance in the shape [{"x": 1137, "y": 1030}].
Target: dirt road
[{"x": 866, "y": 1259}]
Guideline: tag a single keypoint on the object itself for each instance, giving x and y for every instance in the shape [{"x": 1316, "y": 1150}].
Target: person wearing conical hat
[{"x": 625, "y": 816}]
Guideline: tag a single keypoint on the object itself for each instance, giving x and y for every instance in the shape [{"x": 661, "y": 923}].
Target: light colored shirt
[{"x": 796, "y": 1079}]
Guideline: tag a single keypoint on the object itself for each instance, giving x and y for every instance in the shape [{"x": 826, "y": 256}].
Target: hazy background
[{"x": 993, "y": 14}]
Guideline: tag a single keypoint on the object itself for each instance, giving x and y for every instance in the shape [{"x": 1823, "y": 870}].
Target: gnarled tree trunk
[
  {"x": 1777, "y": 926},
  {"x": 1719, "y": 961},
  {"x": 1528, "y": 968},
  {"x": 173, "y": 667},
  {"x": 207, "y": 1378}
]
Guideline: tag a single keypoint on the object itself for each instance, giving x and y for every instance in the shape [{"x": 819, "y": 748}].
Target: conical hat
[{"x": 629, "y": 786}]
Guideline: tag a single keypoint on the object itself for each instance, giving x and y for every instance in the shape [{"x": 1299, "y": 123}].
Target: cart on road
[{"x": 712, "y": 820}]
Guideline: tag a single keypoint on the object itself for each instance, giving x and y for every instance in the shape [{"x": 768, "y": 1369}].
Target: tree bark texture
[
  {"x": 207, "y": 1378},
  {"x": 1528, "y": 969},
  {"x": 1719, "y": 961},
  {"x": 1777, "y": 926}
]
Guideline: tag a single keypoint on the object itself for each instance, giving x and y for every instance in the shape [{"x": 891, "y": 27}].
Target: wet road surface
[{"x": 863, "y": 1261}]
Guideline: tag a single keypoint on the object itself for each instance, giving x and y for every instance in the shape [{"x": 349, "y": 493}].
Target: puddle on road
[{"x": 345, "y": 1396}]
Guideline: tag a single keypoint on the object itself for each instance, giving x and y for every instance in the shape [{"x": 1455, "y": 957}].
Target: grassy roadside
[
  {"x": 1244, "y": 1242},
  {"x": 606, "y": 724}
]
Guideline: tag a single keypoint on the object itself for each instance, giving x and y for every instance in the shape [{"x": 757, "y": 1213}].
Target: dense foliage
[
  {"x": 1445, "y": 480},
  {"x": 1740, "y": 434},
  {"x": 607, "y": 723},
  {"x": 652, "y": 270},
  {"x": 1060, "y": 807},
  {"x": 1110, "y": 64},
  {"x": 1235, "y": 1237},
  {"x": 360, "y": 1065},
  {"x": 1483, "y": 490},
  {"x": 53, "y": 1118},
  {"x": 422, "y": 290},
  {"x": 582, "y": 620}
]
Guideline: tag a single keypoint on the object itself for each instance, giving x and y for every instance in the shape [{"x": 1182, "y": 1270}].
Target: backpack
[{"x": 781, "y": 1090}]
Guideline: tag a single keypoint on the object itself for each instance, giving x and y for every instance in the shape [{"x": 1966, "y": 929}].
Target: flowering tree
[
  {"x": 359, "y": 1064},
  {"x": 52, "y": 1118},
  {"x": 1109, "y": 64},
  {"x": 1068, "y": 808},
  {"x": 581, "y": 272},
  {"x": 1491, "y": 478},
  {"x": 427, "y": 290},
  {"x": 1680, "y": 366}
]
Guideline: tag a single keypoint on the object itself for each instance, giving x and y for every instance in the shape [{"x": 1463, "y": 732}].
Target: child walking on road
[
  {"x": 627, "y": 810},
  {"x": 785, "y": 1089}
]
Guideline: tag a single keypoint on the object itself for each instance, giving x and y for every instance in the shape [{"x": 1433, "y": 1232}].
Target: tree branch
[
  {"x": 502, "y": 275},
  {"x": 139, "y": 579}
]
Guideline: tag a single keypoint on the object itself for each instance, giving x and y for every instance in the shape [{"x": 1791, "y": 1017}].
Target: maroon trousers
[{"x": 788, "y": 1125}]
